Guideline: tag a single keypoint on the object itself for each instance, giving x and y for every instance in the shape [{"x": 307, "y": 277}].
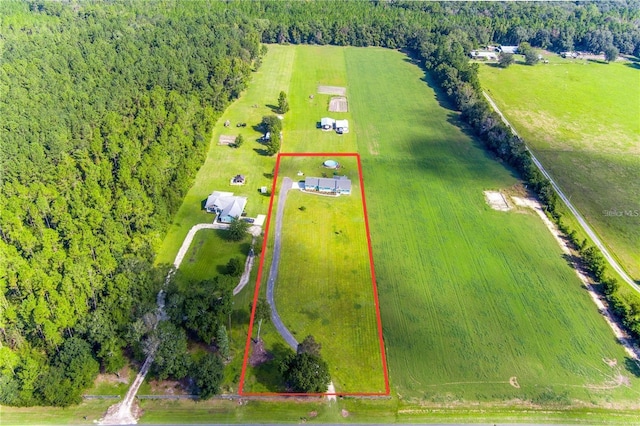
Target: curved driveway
[
  {"x": 581, "y": 220},
  {"x": 273, "y": 270}
]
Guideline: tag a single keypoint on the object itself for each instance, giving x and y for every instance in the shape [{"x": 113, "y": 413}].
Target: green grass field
[
  {"x": 324, "y": 284},
  {"x": 469, "y": 297},
  {"x": 582, "y": 121}
]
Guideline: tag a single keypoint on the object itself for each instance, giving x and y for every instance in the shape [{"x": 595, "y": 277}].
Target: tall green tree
[
  {"x": 237, "y": 230},
  {"x": 171, "y": 358},
  {"x": 283, "y": 104},
  {"x": 305, "y": 372},
  {"x": 222, "y": 341},
  {"x": 208, "y": 373},
  {"x": 263, "y": 312},
  {"x": 506, "y": 59},
  {"x": 611, "y": 53}
]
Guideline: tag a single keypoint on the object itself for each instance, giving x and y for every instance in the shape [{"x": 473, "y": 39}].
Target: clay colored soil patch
[
  {"x": 513, "y": 381},
  {"x": 338, "y": 104},
  {"x": 496, "y": 201},
  {"x": 226, "y": 140},
  {"x": 259, "y": 354}
]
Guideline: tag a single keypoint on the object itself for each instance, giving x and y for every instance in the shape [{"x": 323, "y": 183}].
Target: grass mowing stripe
[{"x": 467, "y": 302}]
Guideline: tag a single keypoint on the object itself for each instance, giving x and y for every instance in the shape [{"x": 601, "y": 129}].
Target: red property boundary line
[{"x": 259, "y": 278}]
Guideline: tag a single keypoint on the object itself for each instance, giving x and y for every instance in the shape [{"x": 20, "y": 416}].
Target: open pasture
[
  {"x": 476, "y": 304},
  {"x": 582, "y": 120}
]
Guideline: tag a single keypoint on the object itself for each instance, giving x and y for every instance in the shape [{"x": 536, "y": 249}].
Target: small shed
[
  {"x": 238, "y": 180},
  {"x": 327, "y": 123},
  {"x": 342, "y": 126}
]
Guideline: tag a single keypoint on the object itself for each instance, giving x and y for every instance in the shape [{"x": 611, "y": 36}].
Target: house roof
[
  {"x": 226, "y": 203},
  {"x": 327, "y": 121},
  {"x": 336, "y": 183},
  {"x": 235, "y": 207},
  {"x": 508, "y": 49},
  {"x": 342, "y": 123}
]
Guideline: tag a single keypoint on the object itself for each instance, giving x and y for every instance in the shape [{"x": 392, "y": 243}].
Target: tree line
[{"x": 107, "y": 110}]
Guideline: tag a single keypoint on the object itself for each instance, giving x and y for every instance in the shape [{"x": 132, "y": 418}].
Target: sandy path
[
  {"x": 596, "y": 240},
  {"x": 244, "y": 279},
  {"x": 633, "y": 351}
]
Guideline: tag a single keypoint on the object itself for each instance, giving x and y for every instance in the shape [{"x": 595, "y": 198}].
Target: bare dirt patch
[
  {"x": 617, "y": 381},
  {"x": 168, "y": 387},
  {"x": 610, "y": 362},
  {"x": 332, "y": 90},
  {"x": 226, "y": 140},
  {"x": 497, "y": 201},
  {"x": 513, "y": 381},
  {"x": 121, "y": 376},
  {"x": 344, "y": 413},
  {"x": 259, "y": 354},
  {"x": 338, "y": 104}
]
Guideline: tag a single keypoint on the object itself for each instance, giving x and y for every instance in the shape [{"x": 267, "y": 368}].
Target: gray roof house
[{"x": 335, "y": 185}]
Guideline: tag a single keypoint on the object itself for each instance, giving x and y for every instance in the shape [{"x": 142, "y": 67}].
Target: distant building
[
  {"x": 507, "y": 49},
  {"x": 483, "y": 55},
  {"x": 571, "y": 55},
  {"x": 335, "y": 185},
  {"x": 342, "y": 126},
  {"x": 225, "y": 205}
]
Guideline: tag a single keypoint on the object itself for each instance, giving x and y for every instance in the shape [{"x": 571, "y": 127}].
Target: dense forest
[{"x": 106, "y": 114}]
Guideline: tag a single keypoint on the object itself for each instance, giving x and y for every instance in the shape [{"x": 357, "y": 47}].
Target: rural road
[
  {"x": 590, "y": 232},
  {"x": 273, "y": 269}
]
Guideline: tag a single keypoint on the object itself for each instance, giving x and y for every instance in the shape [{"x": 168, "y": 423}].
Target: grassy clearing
[
  {"x": 467, "y": 300},
  {"x": 581, "y": 120},
  {"x": 324, "y": 281},
  {"x": 316, "y": 65},
  {"x": 210, "y": 252}
]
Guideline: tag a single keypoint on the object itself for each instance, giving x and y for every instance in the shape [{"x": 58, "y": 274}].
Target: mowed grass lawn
[
  {"x": 582, "y": 120},
  {"x": 470, "y": 297},
  {"x": 324, "y": 285}
]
